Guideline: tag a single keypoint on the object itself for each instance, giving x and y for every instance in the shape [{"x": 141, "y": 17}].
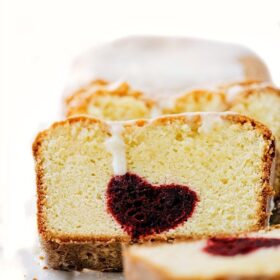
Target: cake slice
[
  {"x": 258, "y": 100},
  {"x": 116, "y": 102},
  {"x": 251, "y": 256},
  {"x": 261, "y": 102},
  {"x": 101, "y": 184}
]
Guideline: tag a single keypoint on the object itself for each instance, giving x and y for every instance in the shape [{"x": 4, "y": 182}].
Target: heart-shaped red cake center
[
  {"x": 228, "y": 247},
  {"x": 144, "y": 209}
]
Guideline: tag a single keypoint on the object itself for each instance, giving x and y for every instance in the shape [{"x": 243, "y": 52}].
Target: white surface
[
  {"x": 116, "y": 146},
  {"x": 160, "y": 66},
  {"x": 40, "y": 38}
]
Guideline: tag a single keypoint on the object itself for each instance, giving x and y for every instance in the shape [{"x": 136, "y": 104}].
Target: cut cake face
[
  {"x": 250, "y": 256},
  {"x": 257, "y": 100},
  {"x": 174, "y": 177},
  {"x": 115, "y": 102}
]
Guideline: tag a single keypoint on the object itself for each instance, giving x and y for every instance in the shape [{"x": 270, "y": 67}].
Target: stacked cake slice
[
  {"x": 250, "y": 256},
  {"x": 151, "y": 153},
  {"x": 254, "y": 99},
  {"x": 101, "y": 184}
]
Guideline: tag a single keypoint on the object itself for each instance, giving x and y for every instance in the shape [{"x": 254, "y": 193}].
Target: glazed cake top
[{"x": 164, "y": 65}]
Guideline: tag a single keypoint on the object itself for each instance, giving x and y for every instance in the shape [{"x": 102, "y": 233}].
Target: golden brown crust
[
  {"x": 81, "y": 91},
  {"x": 41, "y": 188},
  {"x": 196, "y": 96},
  {"x": 78, "y": 241},
  {"x": 247, "y": 92},
  {"x": 268, "y": 159},
  {"x": 244, "y": 97},
  {"x": 79, "y": 101}
]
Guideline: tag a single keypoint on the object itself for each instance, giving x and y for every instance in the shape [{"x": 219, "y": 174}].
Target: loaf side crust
[{"x": 69, "y": 252}]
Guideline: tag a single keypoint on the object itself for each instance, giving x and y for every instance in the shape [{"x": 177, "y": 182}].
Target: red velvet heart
[
  {"x": 228, "y": 247},
  {"x": 143, "y": 209}
]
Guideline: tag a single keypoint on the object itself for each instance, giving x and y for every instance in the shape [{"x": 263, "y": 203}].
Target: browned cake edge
[
  {"x": 83, "y": 97},
  {"x": 137, "y": 268},
  {"x": 242, "y": 96},
  {"x": 75, "y": 252},
  {"x": 246, "y": 92}
]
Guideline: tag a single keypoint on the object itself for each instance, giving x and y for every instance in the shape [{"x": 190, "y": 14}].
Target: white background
[{"x": 40, "y": 38}]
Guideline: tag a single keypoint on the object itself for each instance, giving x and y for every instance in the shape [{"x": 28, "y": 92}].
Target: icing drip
[
  {"x": 169, "y": 102},
  {"x": 233, "y": 92},
  {"x": 156, "y": 112},
  {"x": 116, "y": 147},
  {"x": 115, "y": 85},
  {"x": 208, "y": 122}
]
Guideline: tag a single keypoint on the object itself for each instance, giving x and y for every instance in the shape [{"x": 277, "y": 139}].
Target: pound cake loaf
[
  {"x": 260, "y": 101},
  {"x": 162, "y": 66},
  {"x": 118, "y": 102},
  {"x": 110, "y": 102},
  {"x": 251, "y": 256},
  {"x": 257, "y": 100},
  {"x": 103, "y": 184}
]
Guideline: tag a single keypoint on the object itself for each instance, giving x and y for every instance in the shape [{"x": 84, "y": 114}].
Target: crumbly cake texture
[
  {"x": 163, "y": 66},
  {"x": 77, "y": 158},
  {"x": 118, "y": 102},
  {"x": 109, "y": 102},
  {"x": 261, "y": 102},
  {"x": 251, "y": 256},
  {"x": 255, "y": 99}
]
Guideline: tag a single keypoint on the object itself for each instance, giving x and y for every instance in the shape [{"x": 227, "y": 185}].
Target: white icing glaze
[
  {"x": 156, "y": 112},
  {"x": 168, "y": 101},
  {"x": 208, "y": 122},
  {"x": 114, "y": 85},
  {"x": 233, "y": 91},
  {"x": 161, "y": 65},
  {"x": 116, "y": 146}
]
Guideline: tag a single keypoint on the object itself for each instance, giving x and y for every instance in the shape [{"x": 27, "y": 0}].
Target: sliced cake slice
[
  {"x": 115, "y": 102},
  {"x": 119, "y": 102},
  {"x": 101, "y": 184},
  {"x": 251, "y": 256},
  {"x": 261, "y": 102},
  {"x": 258, "y": 100}
]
